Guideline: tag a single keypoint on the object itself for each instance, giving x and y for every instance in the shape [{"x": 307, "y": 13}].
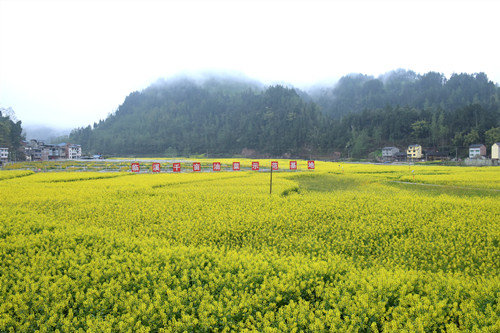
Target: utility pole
[{"x": 271, "y": 181}]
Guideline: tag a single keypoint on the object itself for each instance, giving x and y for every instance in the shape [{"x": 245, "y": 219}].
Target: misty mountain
[
  {"x": 358, "y": 115},
  {"x": 227, "y": 82},
  {"x": 213, "y": 115},
  {"x": 355, "y": 93},
  {"x": 44, "y": 133},
  {"x": 402, "y": 107}
]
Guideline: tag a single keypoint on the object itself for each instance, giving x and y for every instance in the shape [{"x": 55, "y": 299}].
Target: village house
[
  {"x": 437, "y": 155},
  {"x": 389, "y": 153},
  {"x": 495, "y": 151},
  {"x": 400, "y": 156},
  {"x": 73, "y": 151},
  {"x": 33, "y": 150},
  {"x": 414, "y": 151},
  {"x": 54, "y": 152},
  {"x": 477, "y": 151},
  {"x": 4, "y": 155},
  {"x": 39, "y": 151}
]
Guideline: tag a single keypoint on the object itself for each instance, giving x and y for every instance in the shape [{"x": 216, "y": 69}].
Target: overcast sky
[{"x": 70, "y": 63}]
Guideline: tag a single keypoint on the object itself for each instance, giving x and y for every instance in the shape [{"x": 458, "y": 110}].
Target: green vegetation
[
  {"x": 356, "y": 117},
  {"x": 11, "y": 135}
]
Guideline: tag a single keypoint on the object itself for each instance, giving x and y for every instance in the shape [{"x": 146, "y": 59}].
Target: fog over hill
[
  {"x": 228, "y": 114},
  {"x": 44, "y": 133}
]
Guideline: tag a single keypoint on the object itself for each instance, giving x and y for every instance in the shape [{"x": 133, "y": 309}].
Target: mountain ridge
[{"x": 227, "y": 114}]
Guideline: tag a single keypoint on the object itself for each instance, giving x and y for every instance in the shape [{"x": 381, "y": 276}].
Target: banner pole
[{"x": 271, "y": 181}]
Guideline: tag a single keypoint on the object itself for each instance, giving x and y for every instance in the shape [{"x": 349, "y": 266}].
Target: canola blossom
[{"x": 346, "y": 247}]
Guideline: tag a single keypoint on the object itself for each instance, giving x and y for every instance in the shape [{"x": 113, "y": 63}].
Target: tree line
[
  {"x": 402, "y": 108},
  {"x": 358, "y": 115},
  {"x": 11, "y": 134}
]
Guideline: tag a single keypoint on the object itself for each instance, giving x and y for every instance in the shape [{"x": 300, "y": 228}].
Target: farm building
[
  {"x": 477, "y": 151},
  {"x": 4, "y": 154},
  {"x": 437, "y": 155},
  {"x": 414, "y": 151},
  {"x": 389, "y": 153},
  {"x": 39, "y": 151},
  {"x": 495, "y": 151}
]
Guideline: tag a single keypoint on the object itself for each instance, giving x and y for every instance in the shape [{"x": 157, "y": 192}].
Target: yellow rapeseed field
[{"x": 345, "y": 247}]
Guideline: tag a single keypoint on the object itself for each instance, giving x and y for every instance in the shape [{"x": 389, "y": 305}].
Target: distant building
[
  {"x": 400, "y": 156},
  {"x": 389, "y": 153},
  {"x": 414, "y": 151},
  {"x": 336, "y": 155},
  {"x": 495, "y": 151},
  {"x": 73, "y": 151},
  {"x": 437, "y": 155},
  {"x": 4, "y": 155},
  {"x": 477, "y": 151},
  {"x": 39, "y": 151},
  {"x": 54, "y": 152},
  {"x": 33, "y": 150}
]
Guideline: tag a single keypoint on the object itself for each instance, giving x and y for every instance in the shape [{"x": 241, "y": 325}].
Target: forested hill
[
  {"x": 357, "y": 92},
  {"x": 358, "y": 115},
  {"x": 184, "y": 117},
  {"x": 402, "y": 108}
]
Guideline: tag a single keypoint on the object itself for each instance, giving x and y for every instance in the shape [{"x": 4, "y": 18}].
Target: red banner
[
  {"x": 136, "y": 167},
  {"x": 216, "y": 166},
  {"x": 293, "y": 165},
  {"x": 274, "y": 165},
  {"x": 156, "y": 167},
  {"x": 255, "y": 166},
  {"x": 310, "y": 165},
  {"x": 176, "y": 167},
  {"x": 196, "y": 166},
  {"x": 236, "y": 166}
]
